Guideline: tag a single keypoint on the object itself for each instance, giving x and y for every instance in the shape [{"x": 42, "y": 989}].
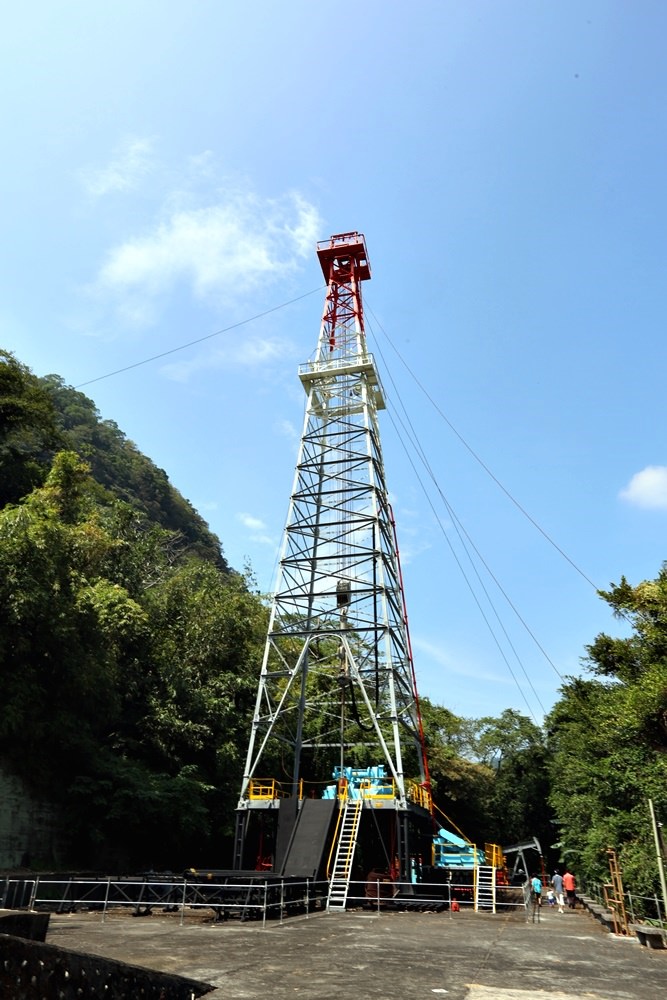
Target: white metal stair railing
[
  {"x": 342, "y": 867},
  {"x": 485, "y": 888}
]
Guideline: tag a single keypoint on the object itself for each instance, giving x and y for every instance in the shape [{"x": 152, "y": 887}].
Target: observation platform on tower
[
  {"x": 358, "y": 364},
  {"x": 344, "y": 245}
]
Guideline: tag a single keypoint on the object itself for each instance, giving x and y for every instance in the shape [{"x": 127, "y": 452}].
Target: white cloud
[
  {"x": 240, "y": 352},
  {"x": 647, "y": 488},
  {"x": 413, "y": 548},
  {"x": 207, "y": 505},
  {"x": 453, "y": 664},
  {"x": 132, "y": 160},
  {"x": 288, "y": 430},
  {"x": 258, "y": 350},
  {"x": 264, "y": 540},
  {"x": 220, "y": 252},
  {"x": 254, "y": 523},
  {"x": 257, "y": 528}
]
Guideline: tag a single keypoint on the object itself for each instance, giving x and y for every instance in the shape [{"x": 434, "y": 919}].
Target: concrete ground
[{"x": 397, "y": 956}]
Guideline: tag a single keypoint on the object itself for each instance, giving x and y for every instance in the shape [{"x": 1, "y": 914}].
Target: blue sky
[{"x": 167, "y": 170}]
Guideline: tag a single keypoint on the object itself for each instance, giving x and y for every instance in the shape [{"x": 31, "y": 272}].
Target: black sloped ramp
[
  {"x": 310, "y": 838},
  {"x": 287, "y": 820}
]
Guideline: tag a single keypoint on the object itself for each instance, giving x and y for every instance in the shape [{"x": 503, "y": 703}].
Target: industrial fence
[
  {"x": 649, "y": 909},
  {"x": 454, "y": 894},
  {"x": 231, "y": 896}
]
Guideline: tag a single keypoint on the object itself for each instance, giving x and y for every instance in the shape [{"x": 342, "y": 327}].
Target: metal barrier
[
  {"x": 382, "y": 893},
  {"x": 15, "y": 893},
  {"x": 647, "y": 908},
  {"x": 228, "y": 897},
  {"x": 231, "y": 896},
  {"x": 266, "y": 789},
  {"x": 420, "y": 795}
]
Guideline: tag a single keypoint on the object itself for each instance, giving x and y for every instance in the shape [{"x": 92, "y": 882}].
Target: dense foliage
[
  {"x": 489, "y": 776},
  {"x": 128, "y": 650},
  {"x": 28, "y": 430},
  {"x": 120, "y": 467},
  {"x": 126, "y": 678},
  {"x": 38, "y": 417},
  {"x": 608, "y": 742}
]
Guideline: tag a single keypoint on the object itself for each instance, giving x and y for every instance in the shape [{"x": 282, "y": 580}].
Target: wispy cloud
[
  {"x": 219, "y": 252},
  {"x": 648, "y": 488},
  {"x": 132, "y": 160},
  {"x": 208, "y": 506},
  {"x": 254, "y": 523},
  {"x": 257, "y": 527},
  {"x": 451, "y": 663},
  {"x": 288, "y": 430},
  {"x": 240, "y": 352}
]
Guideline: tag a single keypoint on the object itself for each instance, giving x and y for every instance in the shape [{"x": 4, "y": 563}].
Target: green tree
[
  {"x": 62, "y": 627},
  {"x": 608, "y": 737},
  {"x": 28, "y": 431},
  {"x": 515, "y": 749},
  {"x": 118, "y": 465},
  {"x": 460, "y": 785},
  {"x": 207, "y": 634},
  {"x": 126, "y": 675}
]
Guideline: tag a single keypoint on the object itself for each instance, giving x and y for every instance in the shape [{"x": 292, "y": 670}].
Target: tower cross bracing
[{"x": 337, "y": 680}]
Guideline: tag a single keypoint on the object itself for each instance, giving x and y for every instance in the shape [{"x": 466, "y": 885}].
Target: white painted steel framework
[{"x": 337, "y": 668}]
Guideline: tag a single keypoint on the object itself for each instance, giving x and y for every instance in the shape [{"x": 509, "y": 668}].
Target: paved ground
[{"x": 397, "y": 956}]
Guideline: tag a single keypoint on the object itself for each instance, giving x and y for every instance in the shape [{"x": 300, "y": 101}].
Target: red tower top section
[{"x": 343, "y": 253}]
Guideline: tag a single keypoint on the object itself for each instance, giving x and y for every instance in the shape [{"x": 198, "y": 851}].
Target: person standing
[
  {"x": 536, "y": 894},
  {"x": 570, "y": 885},
  {"x": 536, "y": 885},
  {"x": 557, "y": 885}
]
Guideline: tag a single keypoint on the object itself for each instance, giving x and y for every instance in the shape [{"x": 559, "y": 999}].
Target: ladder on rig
[
  {"x": 348, "y": 830},
  {"x": 485, "y": 888}
]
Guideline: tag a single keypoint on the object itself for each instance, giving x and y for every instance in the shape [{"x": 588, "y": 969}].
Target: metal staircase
[
  {"x": 342, "y": 868},
  {"x": 485, "y": 888}
]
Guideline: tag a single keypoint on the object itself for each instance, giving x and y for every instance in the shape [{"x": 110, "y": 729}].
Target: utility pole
[{"x": 658, "y": 851}]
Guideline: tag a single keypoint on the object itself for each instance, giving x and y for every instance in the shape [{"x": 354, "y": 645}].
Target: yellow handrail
[
  {"x": 334, "y": 841},
  {"x": 420, "y": 796},
  {"x": 357, "y": 806},
  {"x": 493, "y": 855},
  {"x": 265, "y": 789},
  {"x": 383, "y": 789},
  {"x": 353, "y": 840}
]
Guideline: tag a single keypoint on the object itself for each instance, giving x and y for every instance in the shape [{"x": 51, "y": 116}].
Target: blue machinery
[
  {"x": 372, "y": 784},
  {"x": 450, "y": 851}
]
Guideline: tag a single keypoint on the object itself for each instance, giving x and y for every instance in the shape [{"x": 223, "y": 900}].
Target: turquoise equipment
[
  {"x": 450, "y": 851},
  {"x": 360, "y": 782}
]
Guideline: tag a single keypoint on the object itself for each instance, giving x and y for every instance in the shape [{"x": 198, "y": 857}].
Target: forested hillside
[
  {"x": 608, "y": 742},
  {"x": 129, "y": 656},
  {"x": 128, "y": 648}
]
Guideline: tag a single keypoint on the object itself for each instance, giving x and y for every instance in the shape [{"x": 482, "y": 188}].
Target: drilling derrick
[{"x": 337, "y": 699}]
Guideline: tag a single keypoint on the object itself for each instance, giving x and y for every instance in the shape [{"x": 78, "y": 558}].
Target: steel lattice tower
[{"x": 337, "y": 675}]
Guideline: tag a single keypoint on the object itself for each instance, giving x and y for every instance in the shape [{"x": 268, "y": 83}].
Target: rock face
[{"x": 29, "y": 829}]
